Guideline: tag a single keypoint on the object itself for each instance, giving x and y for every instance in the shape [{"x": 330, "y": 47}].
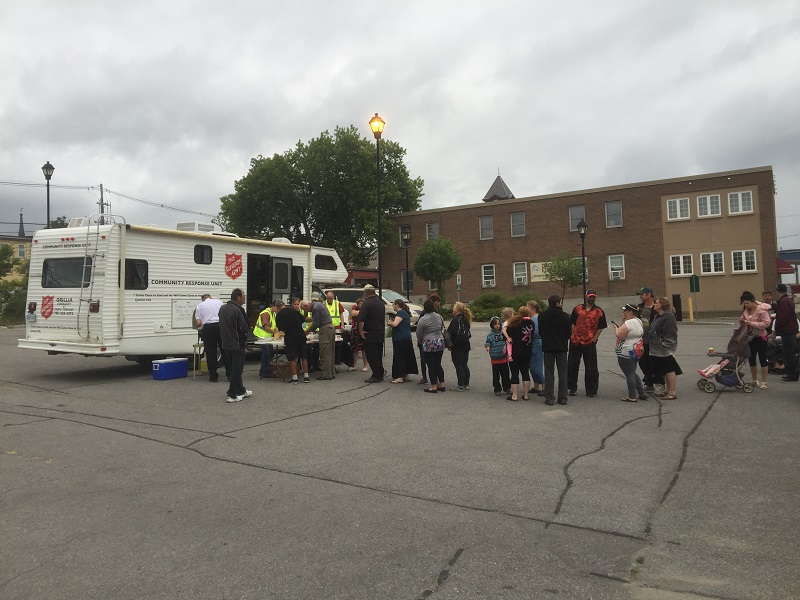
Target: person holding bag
[
  {"x": 430, "y": 336},
  {"x": 628, "y": 335},
  {"x": 460, "y": 334}
]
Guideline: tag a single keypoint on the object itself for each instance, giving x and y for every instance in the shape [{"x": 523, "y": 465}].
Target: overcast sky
[{"x": 167, "y": 101}]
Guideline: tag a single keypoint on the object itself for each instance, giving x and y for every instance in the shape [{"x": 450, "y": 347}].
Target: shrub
[{"x": 488, "y": 305}]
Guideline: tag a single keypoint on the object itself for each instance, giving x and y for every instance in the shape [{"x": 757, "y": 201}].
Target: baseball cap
[
  {"x": 369, "y": 286},
  {"x": 631, "y": 308},
  {"x": 646, "y": 289},
  {"x": 590, "y": 293},
  {"x": 781, "y": 287}
]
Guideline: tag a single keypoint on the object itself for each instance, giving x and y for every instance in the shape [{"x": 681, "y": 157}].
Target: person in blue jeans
[{"x": 537, "y": 357}]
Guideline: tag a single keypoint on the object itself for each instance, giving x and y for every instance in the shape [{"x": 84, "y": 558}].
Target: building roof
[
  {"x": 625, "y": 186},
  {"x": 498, "y": 191}
]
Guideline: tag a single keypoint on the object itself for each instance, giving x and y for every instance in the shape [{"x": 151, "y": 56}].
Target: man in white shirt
[{"x": 207, "y": 320}]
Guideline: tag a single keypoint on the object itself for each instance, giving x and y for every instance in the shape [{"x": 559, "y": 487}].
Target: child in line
[
  {"x": 496, "y": 347},
  {"x": 712, "y": 370}
]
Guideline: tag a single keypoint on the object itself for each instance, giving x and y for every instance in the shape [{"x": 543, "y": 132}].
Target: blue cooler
[{"x": 170, "y": 368}]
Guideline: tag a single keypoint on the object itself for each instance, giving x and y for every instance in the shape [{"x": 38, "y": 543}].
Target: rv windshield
[{"x": 390, "y": 296}]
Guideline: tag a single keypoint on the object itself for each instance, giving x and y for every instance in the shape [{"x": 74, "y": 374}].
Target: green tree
[
  {"x": 7, "y": 259},
  {"x": 59, "y": 222},
  {"x": 438, "y": 261},
  {"x": 564, "y": 270},
  {"x": 13, "y": 294},
  {"x": 324, "y": 192}
]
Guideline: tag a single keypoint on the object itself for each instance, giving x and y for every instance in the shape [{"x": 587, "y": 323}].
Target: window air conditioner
[
  {"x": 488, "y": 283},
  {"x": 617, "y": 274},
  {"x": 519, "y": 281}
]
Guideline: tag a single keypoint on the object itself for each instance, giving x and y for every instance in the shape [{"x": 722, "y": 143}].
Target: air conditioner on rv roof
[{"x": 196, "y": 226}]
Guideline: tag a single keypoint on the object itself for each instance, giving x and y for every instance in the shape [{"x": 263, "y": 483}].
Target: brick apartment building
[{"x": 720, "y": 226}]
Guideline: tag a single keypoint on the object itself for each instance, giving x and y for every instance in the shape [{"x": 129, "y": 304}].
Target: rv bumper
[{"x": 69, "y": 347}]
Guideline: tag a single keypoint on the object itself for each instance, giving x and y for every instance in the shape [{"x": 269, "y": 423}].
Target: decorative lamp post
[
  {"x": 377, "y": 124},
  {"x": 582, "y": 227},
  {"x": 405, "y": 234},
  {"x": 48, "y": 169}
]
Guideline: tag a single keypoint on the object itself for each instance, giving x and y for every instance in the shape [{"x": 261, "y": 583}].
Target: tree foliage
[
  {"x": 438, "y": 261},
  {"x": 564, "y": 270},
  {"x": 13, "y": 292},
  {"x": 7, "y": 259},
  {"x": 59, "y": 222},
  {"x": 324, "y": 192}
]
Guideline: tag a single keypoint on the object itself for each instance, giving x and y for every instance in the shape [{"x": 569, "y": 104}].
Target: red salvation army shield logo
[
  {"x": 233, "y": 265},
  {"x": 47, "y": 306}
]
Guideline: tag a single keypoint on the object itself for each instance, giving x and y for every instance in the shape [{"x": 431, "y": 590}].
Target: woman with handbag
[
  {"x": 756, "y": 316},
  {"x": 430, "y": 336},
  {"x": 404, "y": 361},
  {"x": 628, "y": 335},
  {"x": 459, "y": 330}
]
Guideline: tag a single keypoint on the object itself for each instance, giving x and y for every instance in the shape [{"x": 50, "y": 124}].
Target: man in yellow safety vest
[{"x": 265, "y": 329}]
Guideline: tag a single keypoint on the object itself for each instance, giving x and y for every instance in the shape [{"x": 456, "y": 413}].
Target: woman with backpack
[
  {"x": 629, "y": 335},
  {"x": 459, "y": 330}
]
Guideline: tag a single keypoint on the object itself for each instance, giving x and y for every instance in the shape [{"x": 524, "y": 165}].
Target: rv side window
[
  {"x": 326, "y": 263},
  {"x": 281, "y": 276},
  {"x": 136, "y": 277},
  {"x": 66, "y": 272},
  {"x": 202, "y": 254}
]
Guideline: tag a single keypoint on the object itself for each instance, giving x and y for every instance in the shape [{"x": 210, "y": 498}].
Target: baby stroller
[{"x": 731, "y": 362}]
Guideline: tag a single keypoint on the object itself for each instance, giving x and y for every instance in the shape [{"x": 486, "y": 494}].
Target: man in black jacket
[
  {"x": 233, "y": 328},
  {"x": 555, "y": 329},
  {"x": 372, "y": 327}
]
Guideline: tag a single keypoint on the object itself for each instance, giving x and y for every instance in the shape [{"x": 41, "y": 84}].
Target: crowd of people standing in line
[{"x": 529, "y": 350}]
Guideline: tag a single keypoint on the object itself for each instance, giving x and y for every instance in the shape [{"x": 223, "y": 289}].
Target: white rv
[{"x": 107, "y": 288}]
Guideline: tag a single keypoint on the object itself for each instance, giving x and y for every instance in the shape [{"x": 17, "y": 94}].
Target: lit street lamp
[
  {"x": 405, "y": 234},
  {"x": 48, "y": 169},
  {"x": 582, "y": 227},
  {"x": 377, "y": 124}
]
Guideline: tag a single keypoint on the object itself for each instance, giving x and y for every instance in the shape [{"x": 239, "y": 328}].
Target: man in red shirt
[{"x": 588, "y": 321}]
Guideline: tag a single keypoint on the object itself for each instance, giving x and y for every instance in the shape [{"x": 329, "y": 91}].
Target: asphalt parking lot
[{"x": 113, "y": 485}]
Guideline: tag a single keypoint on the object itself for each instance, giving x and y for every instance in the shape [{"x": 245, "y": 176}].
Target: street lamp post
[
  {"x": 377, "y": 124},
  {"x": 48, "y": 169},
  {"x": 582, "y": 227},
  {"x": 405, "y": 233}
]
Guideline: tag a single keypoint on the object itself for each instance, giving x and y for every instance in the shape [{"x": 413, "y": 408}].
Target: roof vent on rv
[
  {"x": 282, "y": 240},
  {"x": 196, "y": 226},
  {"x": 79, "y": 222}
]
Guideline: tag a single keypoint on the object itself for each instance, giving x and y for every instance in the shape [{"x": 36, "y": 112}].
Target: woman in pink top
[{"x": 756, "y": 316}]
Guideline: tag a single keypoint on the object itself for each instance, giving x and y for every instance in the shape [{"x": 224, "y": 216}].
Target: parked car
[{"x": 349, "y": 295}]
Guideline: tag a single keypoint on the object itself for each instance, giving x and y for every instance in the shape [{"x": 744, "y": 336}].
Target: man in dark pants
[
  {"x": 371, "y": 327},
  {"x": 588, "y": 321},
  {"x": 786, "y": 327},
  {"x": 206, "y": 317},
  {"x": 233, "y": 327},
  {"x": 321, "y": 322},
  {"x": 646, "y": 311},
  {"x": 554, "y": 329}
]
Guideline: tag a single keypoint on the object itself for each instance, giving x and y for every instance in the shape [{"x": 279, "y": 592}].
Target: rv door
[{"x": 281, "y": 278}]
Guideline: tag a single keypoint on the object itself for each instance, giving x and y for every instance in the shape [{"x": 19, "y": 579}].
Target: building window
[
  {"x": 432, "y": 231},
  {"x": 576, "y": 213},
  {"x": 202, "y": 254},
  {"x": 708, "y": 206},
  {"x": 616, "y": 266},
  {"x": 711, "y": 263},
  {"x": 740, "y": 203},
  {"x": 432, "y": 287},
  {"x": 487, "y": 227},
  {"x": 488, "y": 276},
  {"x": 614, "y": 213},
  {"x": 744, "y": 261},
  {"x": 681, "y": 264},
  {"x": 520, "y": 273},
  {"x": 21, "y": 251},
  {"x": 406, "y": 281},
  {"x": 517, "y": 224},
  {"x": 677, "y": 208}
]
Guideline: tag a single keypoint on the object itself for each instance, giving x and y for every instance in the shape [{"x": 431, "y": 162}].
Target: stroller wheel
[
  {"x": 747, "y": 388},
  {"x": 709, "y": 387},
  {"x": 701, "y": 384}
]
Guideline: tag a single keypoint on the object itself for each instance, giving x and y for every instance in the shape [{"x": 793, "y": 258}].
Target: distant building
[
  {"x": 21, "y": 247},
  {"x": 719, "y": 226}
]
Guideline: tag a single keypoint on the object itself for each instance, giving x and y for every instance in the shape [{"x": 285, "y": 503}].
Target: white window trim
[
  {"x": 484, "y": 279},
  {"x": 710, "y": 215},
  {"x": 511, "y": 224},
  {"x": 427, "y": 230},
  {"x": 740, "y": 212},
  {"x": 682, "y": 273},
  {"x": 711, "y": 254},
  {"x": 744, "y": 268},
  {"x": 432, "y": 287},
  {"x": 621, "y": 219},
  {"x": 403, "y": 281},
  {"x": 21, "y": 251},
  {"x": 679, "y": 217},
  {"x": 611, "y": 270},
  {"x": 523, "y": 277},
  {"x": 480, "y": 227},
  {"x": 569, "y": 216}
]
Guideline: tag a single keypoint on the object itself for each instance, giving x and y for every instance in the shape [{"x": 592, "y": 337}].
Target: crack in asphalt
[
  {"x": 688, "y": 593},
  {"x": 566, "y": 467},
  {"x": 443, "y": 575},
  {"x": 681, "y": 462}
]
